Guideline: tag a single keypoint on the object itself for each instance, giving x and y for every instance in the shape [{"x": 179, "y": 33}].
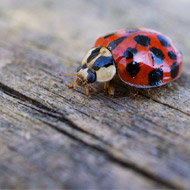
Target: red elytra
[{"x": 144, "y": 58}]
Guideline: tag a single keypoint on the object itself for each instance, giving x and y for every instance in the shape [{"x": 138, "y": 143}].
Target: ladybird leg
[
  {"x": 133, "y": 91},
  {"x": 72, "y": 85},
  {"x": 106, "y": 87},
  {"x": 86, "y": 90},
  {"x": 94, "y": 89},
  {"x": 111, "y": 88}
]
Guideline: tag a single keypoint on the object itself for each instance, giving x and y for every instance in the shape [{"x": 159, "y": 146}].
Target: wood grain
[{"x": 53, "y": 137}]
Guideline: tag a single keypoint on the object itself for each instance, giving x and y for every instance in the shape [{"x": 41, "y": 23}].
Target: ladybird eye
[{"x": 91, "y": 76}]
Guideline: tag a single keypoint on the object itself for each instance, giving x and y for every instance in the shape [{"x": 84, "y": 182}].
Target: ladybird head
[{"x": 97, "y": 65}]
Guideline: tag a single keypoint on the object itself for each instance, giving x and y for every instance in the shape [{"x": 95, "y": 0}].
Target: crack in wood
[
  {"x": 174, "y": 108},
  {"x": 138, "y": 115},
  {"x": 119, "y": 161},
  {"x": 48, "y": 111},
  {"x": 149, "y": 120},
  {"x": 157, "y": 101},
  {"x": 176, "y": 135}
]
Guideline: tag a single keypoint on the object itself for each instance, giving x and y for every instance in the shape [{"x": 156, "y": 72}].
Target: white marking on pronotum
[{"x": 105, "y": 74}]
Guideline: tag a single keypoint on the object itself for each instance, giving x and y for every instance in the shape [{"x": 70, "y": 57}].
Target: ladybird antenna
[{"x": 72, "y": 75}]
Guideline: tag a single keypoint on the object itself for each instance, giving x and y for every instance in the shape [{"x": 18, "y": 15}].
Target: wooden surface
[{"x": 52, "y": 137}]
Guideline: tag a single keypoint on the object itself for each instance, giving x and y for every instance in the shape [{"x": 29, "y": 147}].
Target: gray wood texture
[{"x": 52, "y": 137}]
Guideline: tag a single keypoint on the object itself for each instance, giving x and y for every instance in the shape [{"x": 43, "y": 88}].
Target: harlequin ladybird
[{"x": 141, "y": 57}]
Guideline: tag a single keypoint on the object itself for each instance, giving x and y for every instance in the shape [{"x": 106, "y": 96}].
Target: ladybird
[{"x": 141, "y": 57}]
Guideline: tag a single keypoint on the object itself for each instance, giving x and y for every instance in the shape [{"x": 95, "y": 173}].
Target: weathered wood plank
[{"x": 101, "y": 142}]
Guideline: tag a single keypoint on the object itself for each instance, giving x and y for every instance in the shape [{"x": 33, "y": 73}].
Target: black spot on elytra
[
  {"x": 164, "y": 41},
  {"x": 172, "y": 55},
  {"x": 133, "y": 68},
  {"x": 174, "y": 69},
  {"x": 142, "y": 40},
  {"x": 155, "y": 77},
  {"x": 91, "y": 76},
  {"x": 81, "y": 67},
  {"x": 130, "y": 52},
  {"x": 93, "y": 54},
  {"x": 107, "y": 36},
  {"x": 157, "y": 55},
  {"x": 112, "y": 45},
  {"x": 132, "y": 30},
  {"x": 102, "y": 62}
]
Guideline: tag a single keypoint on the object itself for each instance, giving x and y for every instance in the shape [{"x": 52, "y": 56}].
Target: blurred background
[{"x": 71, "y": 27}]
